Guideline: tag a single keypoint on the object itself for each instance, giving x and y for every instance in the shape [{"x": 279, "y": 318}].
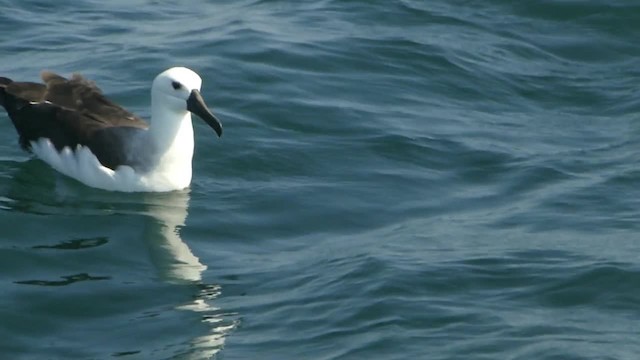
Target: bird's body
[{"x": 70, "y": 125}]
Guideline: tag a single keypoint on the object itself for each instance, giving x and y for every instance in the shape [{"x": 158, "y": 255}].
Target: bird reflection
[
  {"x": 176, "y": 264},
  {"x": 164, "y": 216},
  {"x": 171, "y": 256}
]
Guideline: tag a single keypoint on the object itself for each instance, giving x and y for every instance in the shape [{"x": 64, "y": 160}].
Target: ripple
[
  {"x": 75, "y": 244},
  {"x": 68, "y": 280},
  {"x": 402, "y": 179}
]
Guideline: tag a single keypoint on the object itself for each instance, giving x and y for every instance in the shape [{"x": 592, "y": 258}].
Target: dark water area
[{"x": 397, "y": 180}]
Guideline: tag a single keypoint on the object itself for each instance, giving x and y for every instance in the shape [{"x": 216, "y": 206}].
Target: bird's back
[{"x": 68, "y": 112}]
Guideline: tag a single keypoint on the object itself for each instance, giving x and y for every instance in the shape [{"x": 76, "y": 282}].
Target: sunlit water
[{"x": 397, "y": 180}]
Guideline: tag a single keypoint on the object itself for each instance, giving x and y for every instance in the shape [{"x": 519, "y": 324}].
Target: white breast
[{"x": 82, "y": 165}]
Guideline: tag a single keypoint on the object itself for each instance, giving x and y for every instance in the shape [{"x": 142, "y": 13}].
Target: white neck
[
  {"x": 171, "y": 139},
  {"x": 169, "y": 127}
]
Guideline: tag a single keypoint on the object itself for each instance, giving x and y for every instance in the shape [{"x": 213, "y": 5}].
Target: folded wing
[{"x": 69, "y": 112}]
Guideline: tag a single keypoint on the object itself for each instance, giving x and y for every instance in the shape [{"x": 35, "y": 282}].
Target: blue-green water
[{"x": 398, "y": 179}]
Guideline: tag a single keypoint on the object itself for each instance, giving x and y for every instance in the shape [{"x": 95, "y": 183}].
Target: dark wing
[
  {"x": 85, "y": 97},
  {"x": 69, "y": 112}
]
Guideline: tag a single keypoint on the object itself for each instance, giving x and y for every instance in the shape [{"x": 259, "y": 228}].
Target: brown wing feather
[
  {"x": 29, "y": 91},
  {"x": 84, "y": 96},
  {"x": 70, "y": 112}
]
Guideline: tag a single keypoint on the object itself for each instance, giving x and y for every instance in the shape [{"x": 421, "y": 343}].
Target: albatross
[{"x": 73, "y": 127}]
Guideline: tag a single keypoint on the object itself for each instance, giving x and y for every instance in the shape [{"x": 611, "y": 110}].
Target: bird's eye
[{"x": 176, "y": 85}]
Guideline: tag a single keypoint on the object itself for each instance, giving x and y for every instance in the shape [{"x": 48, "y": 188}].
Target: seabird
[{"x": 72, "y": 126}]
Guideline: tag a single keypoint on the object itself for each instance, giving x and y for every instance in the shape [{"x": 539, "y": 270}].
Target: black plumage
[{"x": 71, "y": 112}]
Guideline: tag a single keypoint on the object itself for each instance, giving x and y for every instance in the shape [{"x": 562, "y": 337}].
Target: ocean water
[{"x": 398, "y": 179}]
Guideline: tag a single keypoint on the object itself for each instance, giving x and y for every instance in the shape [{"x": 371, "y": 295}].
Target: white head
[{"x": 178, "y": 90}]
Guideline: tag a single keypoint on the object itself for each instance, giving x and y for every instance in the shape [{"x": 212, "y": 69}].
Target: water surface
[{"x": 397, "y": 179}]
